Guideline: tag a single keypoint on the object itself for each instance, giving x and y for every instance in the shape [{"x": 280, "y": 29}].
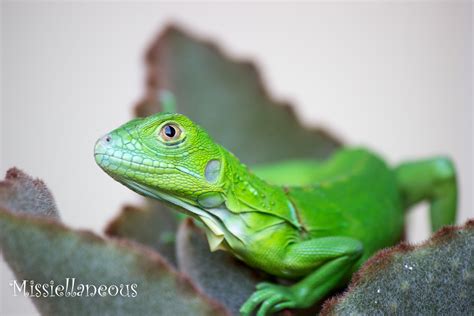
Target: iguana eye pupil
[{"x": 169, "y": 131}]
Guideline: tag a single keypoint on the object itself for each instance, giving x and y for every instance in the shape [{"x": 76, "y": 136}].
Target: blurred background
[{"x": 393, "y": 76}]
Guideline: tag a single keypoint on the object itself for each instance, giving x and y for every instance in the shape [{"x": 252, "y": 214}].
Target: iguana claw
[{"x": 271, "y": 298}]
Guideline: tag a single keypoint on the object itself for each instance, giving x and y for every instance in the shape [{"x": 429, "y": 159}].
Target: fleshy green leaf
[
  {"x": 218, "y": 274},
  {"x": 434, "y": 278},
  {"x": 43, "y": 250},
  {"x": 151, "y": 225}
]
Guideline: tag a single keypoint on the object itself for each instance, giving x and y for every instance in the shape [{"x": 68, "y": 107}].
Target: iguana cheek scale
[{"x": 312, "y": 221}]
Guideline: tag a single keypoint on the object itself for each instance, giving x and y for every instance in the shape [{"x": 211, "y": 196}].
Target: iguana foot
[{"x": 271, "y": 298}]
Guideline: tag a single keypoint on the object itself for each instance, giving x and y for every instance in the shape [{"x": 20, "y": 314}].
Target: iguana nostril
[{"x": 102, "y": 144}]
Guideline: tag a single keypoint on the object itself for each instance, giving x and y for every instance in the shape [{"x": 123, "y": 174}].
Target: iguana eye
[{"x": 170, "y": 132}]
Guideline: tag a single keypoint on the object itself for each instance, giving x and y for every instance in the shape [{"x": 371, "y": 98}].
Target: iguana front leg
[{"x": 332, "y": 258}]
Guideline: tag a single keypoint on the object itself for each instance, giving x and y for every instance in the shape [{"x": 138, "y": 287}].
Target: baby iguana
[{"x": 312, "y": 221}]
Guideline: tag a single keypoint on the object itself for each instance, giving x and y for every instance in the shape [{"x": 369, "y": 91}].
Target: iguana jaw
[{"x": 215, "y": 231}]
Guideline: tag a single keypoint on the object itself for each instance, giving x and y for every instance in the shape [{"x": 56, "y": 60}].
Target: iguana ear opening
[{"x": 213, "y": 170}]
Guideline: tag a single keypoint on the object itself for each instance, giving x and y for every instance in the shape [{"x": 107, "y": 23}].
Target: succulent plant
[
  {"x": 167, "y": 259},
  {"x": 38, "y": 247}
]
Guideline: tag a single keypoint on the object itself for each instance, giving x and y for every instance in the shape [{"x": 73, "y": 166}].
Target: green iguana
[{"x": 312, "y": 221}]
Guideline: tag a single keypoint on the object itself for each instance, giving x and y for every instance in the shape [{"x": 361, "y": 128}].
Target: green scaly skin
[{"x": 315, "y": 222}]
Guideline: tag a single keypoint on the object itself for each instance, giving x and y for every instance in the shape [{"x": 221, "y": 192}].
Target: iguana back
[{"x": 353, "y": 194}]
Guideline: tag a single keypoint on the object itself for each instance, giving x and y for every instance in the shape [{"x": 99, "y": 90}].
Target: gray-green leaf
[
  {"x": 21, "y": 193},
  {"x": 435, "y": 278},
  {"x": 227, "y": 97},
  {"x": 152, "y": 224}
]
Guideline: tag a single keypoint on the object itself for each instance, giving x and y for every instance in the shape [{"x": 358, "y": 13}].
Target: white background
[{"x": 394, "y": 76}]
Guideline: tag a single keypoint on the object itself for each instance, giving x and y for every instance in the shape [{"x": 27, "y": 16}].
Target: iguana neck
[{"x": 249, "y": 189}]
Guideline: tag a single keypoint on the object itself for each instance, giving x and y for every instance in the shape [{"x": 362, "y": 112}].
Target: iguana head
[
  {"x": 164, "y": 155},
  {"x": 170, "y": 158}
]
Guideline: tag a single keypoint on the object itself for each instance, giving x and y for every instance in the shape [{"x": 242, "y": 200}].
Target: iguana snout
[{"x": 162, "y": 153}]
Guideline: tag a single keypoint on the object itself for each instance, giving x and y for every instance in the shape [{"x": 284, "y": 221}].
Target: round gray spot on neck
[{"x": 213, "y": 169}]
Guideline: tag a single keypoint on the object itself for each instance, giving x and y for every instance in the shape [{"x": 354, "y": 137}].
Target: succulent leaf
[
  {"x": 434, "y": 278},
  {"x": 228, "y": 98},
  {"x": 152, "y": 225},
  {"x": 37, "y": 247},
  {"x": 21, "y": 193}
]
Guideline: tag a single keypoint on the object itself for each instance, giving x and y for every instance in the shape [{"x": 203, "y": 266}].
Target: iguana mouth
[
  {"x": 115, "y": 163},
  {"x": 113, "y": 159}
]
